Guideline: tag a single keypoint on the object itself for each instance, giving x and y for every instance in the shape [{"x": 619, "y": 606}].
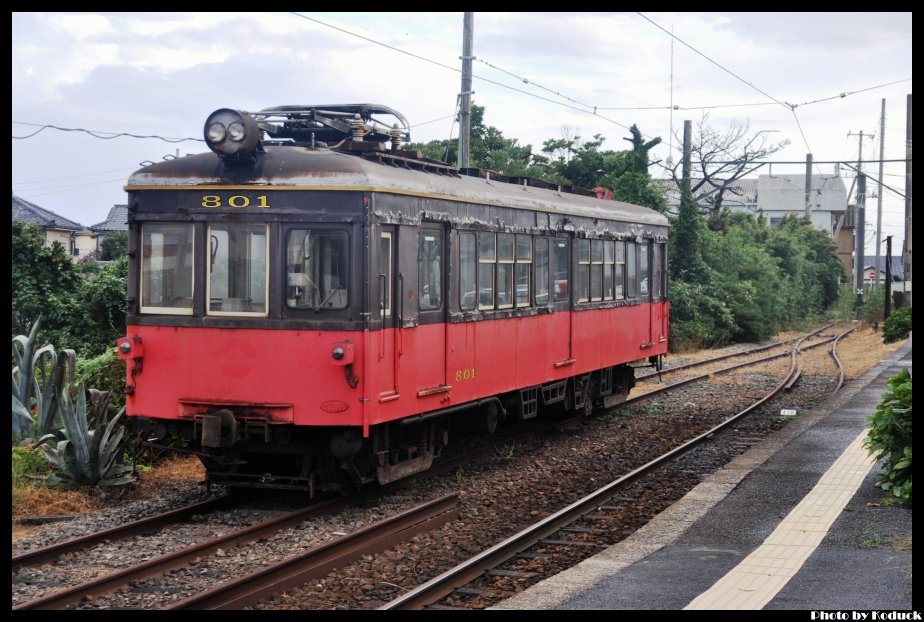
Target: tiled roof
[
  {"x": 117, "y": 220},
  {"x": 25, "y": 211}
]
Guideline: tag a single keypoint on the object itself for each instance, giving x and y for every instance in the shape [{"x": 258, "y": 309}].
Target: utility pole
[
  {"x": 687, "y": 166},
  {"x": 888, "y": 292},
  {"x": 859, "y": 225},
  {"x": 808, "y": 185},
  {"x": 859, "y": 235},
  {"x": 906, "y": 255},
  {"x": 465, "y": 109},
  {"x": 879, "y": 199}
]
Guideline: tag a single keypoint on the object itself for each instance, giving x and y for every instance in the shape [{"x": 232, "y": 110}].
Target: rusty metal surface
[
  {"x": 159, "y": 565},
  {"x": 320, "y": 560},
  {"x": 146, "y": 525},
  {"x": 296, "y": 168},
  {"x": 469, "y": 570}
]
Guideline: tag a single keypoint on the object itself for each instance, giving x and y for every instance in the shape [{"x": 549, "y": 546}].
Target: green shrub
[
  {"x": 890, "y": 437},
  {"x": 897, "y": 326},
  {"x": 29, "y": 465}
]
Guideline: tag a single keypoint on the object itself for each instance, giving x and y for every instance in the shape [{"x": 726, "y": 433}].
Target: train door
[
  {"x": 660, "y": 292},
  {"x": 432, "y": 291},
  {"x": 387, "y": 344},
  {"x": 561, "y": 347},
  {"x": 646, "y": 291}
]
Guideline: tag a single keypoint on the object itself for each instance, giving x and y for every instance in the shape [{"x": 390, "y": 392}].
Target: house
[
  {"x": 115, "y": 222},
  {"x": 777, "y": 195},
  {"x": 76, "y": 239},
  {"x": 869, "y": 269}
]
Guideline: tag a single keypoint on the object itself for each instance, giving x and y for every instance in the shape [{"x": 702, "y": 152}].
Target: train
[{"x": 313, "y": 306}]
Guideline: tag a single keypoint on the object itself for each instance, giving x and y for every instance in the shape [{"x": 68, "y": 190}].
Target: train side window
[
  {"x": 609, "y": 268},
  {"x": 632, "y": 269},
  {"x": 505, "y": 261},
  {"x": 661, "y": 282},
  {"x": 596, "y": 270},
  {"x": 317, "y": 268},
  {"x": 487, "y": 258},
  {"x": 429, "y": 270},
  {"x": 467, "y": 269},
  {"x": 562, "y": 270},
  {"x": 643, "y": 271},
  {"x": 524, "y": 266},
  {"x": 541, "y": 267},
  {"x": 237, "y": 270},
  {"x": 167, "y": 262},
  {"x": 582, "y": 278},
  {"x": 385, "y": 267},
  {"x": 620, "y": 276}
]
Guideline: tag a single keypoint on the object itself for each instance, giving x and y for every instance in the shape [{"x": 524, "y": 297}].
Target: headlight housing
[{"x": 231, "y": 132}]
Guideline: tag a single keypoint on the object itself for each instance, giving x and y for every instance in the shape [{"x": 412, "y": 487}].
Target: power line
[
  {"x": 456, "y": 70},
  {"x": 98, "y": 133},
  {"x": 536, "y": 84},
  {"x": 845, "y": 94},
  {"x": 716, "y": 64},
  {"x": 42, "y": 181}
]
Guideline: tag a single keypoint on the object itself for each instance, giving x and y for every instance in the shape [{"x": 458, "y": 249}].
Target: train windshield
[
  {"x": 317, "y": 266},
  {"x": 237, "y": 280},
  {"x": 167, "y": 268}
]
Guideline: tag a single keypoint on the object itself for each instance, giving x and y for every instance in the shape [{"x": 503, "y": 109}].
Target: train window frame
[
  {"x": 426, "y": 269},
  {"x": 147, "y": 256},
  {"x": 487, "y": 263},
  {"x": 609, "y": 269},
  {"x": 632, "y": 270},
  {"x": 541, "y": 272},
  {"x": 596, "y": 270},
  {"x": 523, "y": 256},
  {"x": 562, "y": 259},
  {"x": 582, "y": 274},
  {"x": 468, "y": 268},
  {"x": 619, "y": 287},
  {"x": 212, "y": 250},
  {"x": 504, "y": 272},
  {"x": 304, "y": 278},
  {"x": 644, "y": 270},
  {"x": 386, "y": 263}
]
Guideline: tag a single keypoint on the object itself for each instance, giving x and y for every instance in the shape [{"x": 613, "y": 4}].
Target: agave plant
[
  {"x": 87, "y": 453},
  {"x": 36, "y": 374}
]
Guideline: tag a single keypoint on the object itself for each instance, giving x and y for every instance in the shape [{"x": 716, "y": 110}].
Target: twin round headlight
[{"x": 231, "y": 132}]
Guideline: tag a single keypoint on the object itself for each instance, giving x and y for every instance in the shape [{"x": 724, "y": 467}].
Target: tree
[
  {"x": 113, "y": 246},
  {"x": 46, "y": 282},
  {"x": 720, "y": 159}
]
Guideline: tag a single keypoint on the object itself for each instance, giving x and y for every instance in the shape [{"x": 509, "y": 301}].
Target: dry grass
[{"x": 32, "y": 501}]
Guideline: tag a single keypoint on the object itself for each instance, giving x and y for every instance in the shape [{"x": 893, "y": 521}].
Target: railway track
[
  {"x": 492, "y": 574},
  {"x": 499, "y": 574}
]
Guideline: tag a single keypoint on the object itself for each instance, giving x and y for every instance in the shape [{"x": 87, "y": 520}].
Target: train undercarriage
[{"x": 240, "y": 450}]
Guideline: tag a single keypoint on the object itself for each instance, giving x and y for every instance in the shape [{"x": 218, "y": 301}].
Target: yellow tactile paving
[{"x": 757, "y": 579}]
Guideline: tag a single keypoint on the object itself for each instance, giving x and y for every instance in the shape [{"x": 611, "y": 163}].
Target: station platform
[{"x": 795, "y": 523}]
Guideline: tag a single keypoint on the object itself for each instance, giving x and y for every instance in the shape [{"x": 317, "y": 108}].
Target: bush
[
  {"x": 29, "y": 466},
  {"x": 890, "y": 437},
  {"x": 897, "y": 326}
]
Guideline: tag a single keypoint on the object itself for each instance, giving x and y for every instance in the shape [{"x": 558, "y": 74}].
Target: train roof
[{"x": 302, "y": 168}]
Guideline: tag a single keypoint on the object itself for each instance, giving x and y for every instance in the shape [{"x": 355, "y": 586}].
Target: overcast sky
[{"x": 538, "y": 75}]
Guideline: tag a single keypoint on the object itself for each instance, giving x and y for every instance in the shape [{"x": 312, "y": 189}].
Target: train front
[{"x": 244, "y": 326}]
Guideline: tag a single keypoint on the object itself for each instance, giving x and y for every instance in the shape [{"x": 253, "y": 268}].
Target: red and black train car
[{"x": 312, "y": 307}]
